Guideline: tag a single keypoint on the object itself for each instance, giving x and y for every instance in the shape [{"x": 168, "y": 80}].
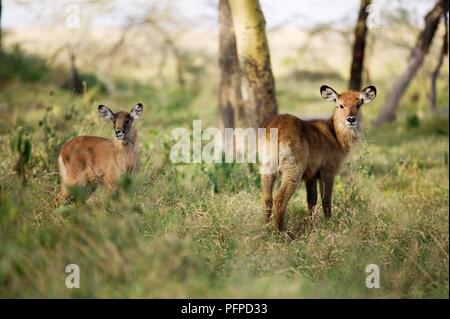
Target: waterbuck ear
[
  {"x": 137, "y": 111},
  {"x": 368, "y": 94},
  {"x": 105, "y": 112},
  {"x": 328, "y": 93}
]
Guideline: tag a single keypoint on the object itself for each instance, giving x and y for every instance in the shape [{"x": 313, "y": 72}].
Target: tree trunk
[
  {"x": 258, "y": 84},
  {"x": 230, "y": 98},
  {"x": 359, "y": 47},
  {"x": 75, "y": 83},
  {"x": 435, "y": 74},
  {"x": 388, "y": 111},
  {"x": 178, "y": 66}
]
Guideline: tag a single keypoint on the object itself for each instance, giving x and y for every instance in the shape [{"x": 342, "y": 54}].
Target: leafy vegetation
[{"x": 16, "y": 64}]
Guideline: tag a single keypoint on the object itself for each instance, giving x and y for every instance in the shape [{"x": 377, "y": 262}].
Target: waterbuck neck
[
  {"x": 126, "y": 152},
  {"x": 346, "y": 136}
]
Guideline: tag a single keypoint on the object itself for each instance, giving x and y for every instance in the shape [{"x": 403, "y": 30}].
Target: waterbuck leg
[
  {"x": 321, "y": 188},
  {"x": 267, "y": 182},
  {"x": 62, "y": 197},
  {"x": 327, "y": 195},
  {"x": 311, "y": 195},
  {"x": 289, "y": 182}
]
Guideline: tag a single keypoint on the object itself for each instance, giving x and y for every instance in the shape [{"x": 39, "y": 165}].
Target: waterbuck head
[
  {"x": 122, "y": 121},
  {"x": 347, "y": 114}
]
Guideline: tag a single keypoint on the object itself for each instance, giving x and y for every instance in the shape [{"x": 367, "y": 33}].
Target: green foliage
[
  {"x": 177, "y": 99},
  {"x": 231, "y": 177},
  {"x": 55, "y": 133},
  {"x": 81, "y": 194},
  {"x": 412, "y": 121},
  {"x": 16, "y": 140},
  {"x": 90, "y": 82},
  {"x": 127, "y": 184},
  {"x": 21, "y": 145},
  {"x": 15, "y": 64},
  {"x": 8, "y": 208},
  {"x": 26, "y": 151}
]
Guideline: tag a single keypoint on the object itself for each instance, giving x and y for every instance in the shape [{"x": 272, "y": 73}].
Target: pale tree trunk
[
  {"x": 435, "y": 74},
  {"x": 258, "y": 84},
  {"x": 230, "y": 99},
  {"x": 388, "y": 111},
  {"x": 359, "y": 46}
]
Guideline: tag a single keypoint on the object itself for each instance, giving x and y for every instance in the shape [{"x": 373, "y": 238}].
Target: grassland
[{"x": 196, "y": 230}]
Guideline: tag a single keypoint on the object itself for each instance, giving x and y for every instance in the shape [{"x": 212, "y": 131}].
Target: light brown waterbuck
[
  {"x": 312, "y": 151},
  {"x": 92, "y": 160}
]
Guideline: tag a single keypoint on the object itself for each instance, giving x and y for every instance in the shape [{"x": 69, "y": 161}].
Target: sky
[{"x": 114, "y": 13}]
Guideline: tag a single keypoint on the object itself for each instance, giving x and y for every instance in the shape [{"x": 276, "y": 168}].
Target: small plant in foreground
[{"x": 21, "y": 144}]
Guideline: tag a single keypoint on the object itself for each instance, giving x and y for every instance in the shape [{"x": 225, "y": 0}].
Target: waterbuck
[
  {"x": 312, "y": 151},
  {"x": 92, "y": 160}
]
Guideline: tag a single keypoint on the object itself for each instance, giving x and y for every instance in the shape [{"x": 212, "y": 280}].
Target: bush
[
  {"x": 16, "y": 64},
  {"x": 89, "y": 81}
]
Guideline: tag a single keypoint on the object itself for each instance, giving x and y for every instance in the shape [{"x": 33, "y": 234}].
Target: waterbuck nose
[
  {"x": 118, "y": 132},
  {"x": 351, "y": 119}
]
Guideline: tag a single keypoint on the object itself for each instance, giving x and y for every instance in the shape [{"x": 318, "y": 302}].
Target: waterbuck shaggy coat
[
  {"x": 92, "y": 160},
  {"x": 312, "y": 151}
]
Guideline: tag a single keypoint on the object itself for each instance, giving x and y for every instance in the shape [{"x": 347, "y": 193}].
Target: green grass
[{"x": 196, "y": 230}]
